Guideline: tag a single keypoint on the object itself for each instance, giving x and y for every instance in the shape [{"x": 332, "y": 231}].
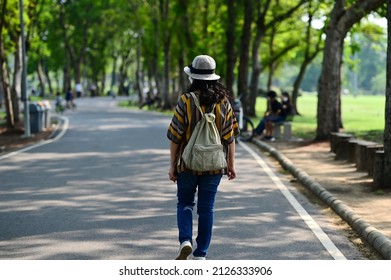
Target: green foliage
[
  {"x": 100, "y": 31},
  {"x": 367, "y": 61},
  {"x": 11, "y": 28},
  {"x": 2, "y": 117},
  {"x": 362, "y": 116}
]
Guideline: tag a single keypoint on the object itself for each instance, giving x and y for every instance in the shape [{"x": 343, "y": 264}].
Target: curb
[
  {"x": 59, "y": 131},
  {"x": 62, "y": 125},
  {"x": 380, "y": 242}
]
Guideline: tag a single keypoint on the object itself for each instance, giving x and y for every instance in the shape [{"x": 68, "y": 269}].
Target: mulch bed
[{"x": 13, "y": 139}]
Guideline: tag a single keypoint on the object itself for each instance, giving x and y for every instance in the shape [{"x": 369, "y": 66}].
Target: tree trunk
[
  {"x": 182, "y": 77},
  {"x": 125, "y": 61},
  {"x": 272, "y": 65},
  {"x": 48, "y": 79},
  {"x": 329, "y": 84},
  {"x": 164, "y": 8},
  {"x": 102, "y": 80},
  {"x": 255, "y": 55},
  {"x": 256, "y": 71},
  {"x": 230, "y": 47},
  {"x": 387, "y": 128},
  {"x": 166, "y": 89},
  {"x": 10, "y": 117},
  {"x": 16, "y": 88},
  {"x": 186, "y": 45},
  {"x": 77, "y": 70},
  {"x": 79, "y": 60},
  {"x": 113, "y": 72},
  {"x": 296, "y": 86},
  {"x": 68, "y": 53},
  {"x": 308, "y": 58},
  {"x": 67, "y": 76},
  {"x": 262, "y": 27},
  {"x": 244, "y": 52},
  {"x": 155, "y": 52},
  {"x": 41, "y": 78},
  {"x": 139, "y": 85}
]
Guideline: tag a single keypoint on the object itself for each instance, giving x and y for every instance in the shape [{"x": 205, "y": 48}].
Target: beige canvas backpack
[{"x": 204, "y": 152}]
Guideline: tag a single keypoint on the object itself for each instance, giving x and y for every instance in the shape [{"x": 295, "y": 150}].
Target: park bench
[
  {"x": 362, "y": 153},
  {"x": 378, "y": 169},
  {"x": 371, "y": 152},
  {"x": 339, "y": 145},
  {"x": 283, "y": 128},
  {"x": 352, "y": 150}
]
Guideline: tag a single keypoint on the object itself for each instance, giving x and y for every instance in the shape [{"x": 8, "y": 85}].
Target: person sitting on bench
[
  {"x": 286, "y": 104},
  {"x": 274, "y": 114}
]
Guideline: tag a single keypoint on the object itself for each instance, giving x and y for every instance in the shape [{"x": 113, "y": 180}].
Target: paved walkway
[{"x": 102, "y": 192}]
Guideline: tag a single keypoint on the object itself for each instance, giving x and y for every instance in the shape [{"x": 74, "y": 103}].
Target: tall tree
[
  {"x": 11, "y": 117},
  {"x": 313, "y": 45},
  {"x": 230, "y": 46},
  {"x": 386, "y": 178},
  {"x": 40, "y": 17},
  {"x": 167, "y": 35},
  {"x": 264, "y": 23},
  {"x": 244, "y": 55},
  {"x": 341, "y": 20}
]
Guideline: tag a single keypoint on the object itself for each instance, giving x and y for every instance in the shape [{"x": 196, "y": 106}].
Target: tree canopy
[
  {"x": 136, "y": 46},
  {"x": 140, "y": 46}
]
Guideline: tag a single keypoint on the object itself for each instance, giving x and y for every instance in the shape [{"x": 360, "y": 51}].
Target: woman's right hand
[
  {"x": 172, "y": 174},
  {"x": 231, "y": 172}
]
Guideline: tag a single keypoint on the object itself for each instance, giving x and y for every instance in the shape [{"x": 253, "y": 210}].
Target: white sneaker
[
  {"x": 199, "y": 258},
  {"x": 184, "y": 250}
]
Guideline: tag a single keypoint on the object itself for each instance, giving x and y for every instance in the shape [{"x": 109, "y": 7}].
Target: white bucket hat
[{"x": 202, "y": 68}]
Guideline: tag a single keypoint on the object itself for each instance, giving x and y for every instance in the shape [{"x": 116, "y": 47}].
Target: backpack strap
[{"x": 197, "y": 103}]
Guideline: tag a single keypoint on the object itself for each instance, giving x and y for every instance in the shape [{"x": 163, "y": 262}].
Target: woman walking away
[{"x": 213, "y": 98}]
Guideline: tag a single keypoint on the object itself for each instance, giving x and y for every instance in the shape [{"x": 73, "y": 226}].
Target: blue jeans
[
  {"x": 262, "y": 124},
  {"x": 187, "y": 184}
]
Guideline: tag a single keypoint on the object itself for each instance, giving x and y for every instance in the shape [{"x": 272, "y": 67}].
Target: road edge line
[
  {"x": 375, "y": 238},
  {"x": 59, "y": 131},
  {"x": 327, "y": 243}
]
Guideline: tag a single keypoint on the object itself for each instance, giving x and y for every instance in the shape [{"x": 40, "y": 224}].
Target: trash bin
[
  {"x": 42, "y": 114},
  {"x": 35, "y": 118},
  {"x": 45, "y": 107}
]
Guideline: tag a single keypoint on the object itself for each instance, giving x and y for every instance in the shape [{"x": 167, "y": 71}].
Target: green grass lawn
[{"x": 362, "y": 116}]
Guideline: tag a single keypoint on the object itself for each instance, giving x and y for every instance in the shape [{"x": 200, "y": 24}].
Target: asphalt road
[{"x": 101, "y": 191}]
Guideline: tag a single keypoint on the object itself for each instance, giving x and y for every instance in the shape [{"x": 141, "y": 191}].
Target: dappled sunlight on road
[
  {"x": 102, "y": 192},
  {"x": 252, "y": 221},
  {"x": 61, "y": 197}
]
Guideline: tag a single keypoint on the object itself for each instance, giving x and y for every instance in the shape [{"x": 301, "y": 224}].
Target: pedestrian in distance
[
  {"x": 59, "y": 108},
  {"x": 212, "y": 96},
  {"x": 79, "y": 90},
  {"x": 69, "y": 103}
]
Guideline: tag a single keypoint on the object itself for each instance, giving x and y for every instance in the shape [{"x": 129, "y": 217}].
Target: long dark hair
[{"x": 209, "y": 92}]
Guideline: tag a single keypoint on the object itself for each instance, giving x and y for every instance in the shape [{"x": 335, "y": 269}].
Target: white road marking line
[{"x": 315, "y": 228}]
